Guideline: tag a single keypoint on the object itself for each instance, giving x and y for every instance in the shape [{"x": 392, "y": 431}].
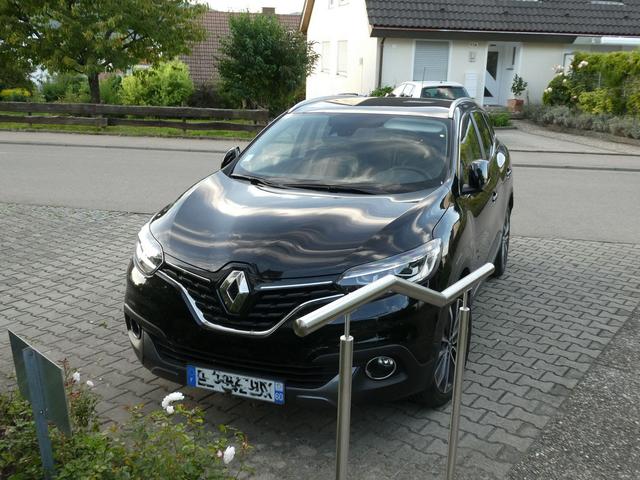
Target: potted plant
[{"x": 515, "y": 105}]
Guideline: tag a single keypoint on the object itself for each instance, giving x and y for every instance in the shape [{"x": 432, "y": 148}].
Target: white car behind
[{"x": 430, "y": 89}]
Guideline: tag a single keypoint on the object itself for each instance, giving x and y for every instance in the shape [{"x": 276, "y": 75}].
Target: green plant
[
  {"x": 210, "y": 96},
  {"x": 15, "y": 95},
  {"x": 559, "y": 91},
  {"x": 381, "y": 91},
  {"x": 597, "y": 102},
  {"x": 167, "y": 83},
  {"x": 263, "y": 64},
  {"x": 501, "y": 119},
  {"x": 111, "y": 90},
  {"x": 171, "y": 443},
  {"x": 518, "y": 86},
  {"x": 65, "y": 87}
]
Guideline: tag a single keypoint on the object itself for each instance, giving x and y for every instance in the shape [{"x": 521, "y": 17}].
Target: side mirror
[
  {"x": 230, "y": 156},
  {"x": 478, "y": 174}
]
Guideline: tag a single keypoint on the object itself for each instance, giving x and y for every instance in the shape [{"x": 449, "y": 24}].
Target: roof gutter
[
  {"x": 380, "y": 61},
  {"x": 375, "y": 30}
]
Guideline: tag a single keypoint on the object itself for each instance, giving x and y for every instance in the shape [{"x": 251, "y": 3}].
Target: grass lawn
[{"x": 129, "y": 130}]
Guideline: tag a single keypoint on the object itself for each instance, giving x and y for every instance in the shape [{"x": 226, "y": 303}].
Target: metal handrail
[{"x": 344, "y": 306}]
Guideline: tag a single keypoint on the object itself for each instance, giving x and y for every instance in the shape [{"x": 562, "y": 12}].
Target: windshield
[
  {"x": 374, "y": 153},
  {"x": 444, "y": 93}
]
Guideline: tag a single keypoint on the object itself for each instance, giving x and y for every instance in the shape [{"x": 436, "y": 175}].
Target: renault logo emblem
[{"x": 234, "y": 291}]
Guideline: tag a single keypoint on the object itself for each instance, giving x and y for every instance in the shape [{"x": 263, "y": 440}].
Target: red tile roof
[{"x": 202, "y": 60}]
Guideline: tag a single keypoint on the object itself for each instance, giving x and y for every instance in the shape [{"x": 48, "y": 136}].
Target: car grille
[
  {"x": 298, "y": 375},
  {"x": 265, "y": 310}
]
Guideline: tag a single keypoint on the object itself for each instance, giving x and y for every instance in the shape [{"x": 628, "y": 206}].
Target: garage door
[{"x": 431, "y": 60}]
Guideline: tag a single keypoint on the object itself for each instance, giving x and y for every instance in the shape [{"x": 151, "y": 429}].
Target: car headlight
[
  {"x": 148, "y": 255},
  {"x": 414, "y": 266}
]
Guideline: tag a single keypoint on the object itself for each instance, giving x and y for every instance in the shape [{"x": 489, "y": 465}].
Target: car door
[
  {"x": 496, "y": 207},
  {"x": 474, "y": 205}
]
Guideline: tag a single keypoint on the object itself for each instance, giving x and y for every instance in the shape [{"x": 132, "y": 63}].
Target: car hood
[{"x": 291, "y": 233}]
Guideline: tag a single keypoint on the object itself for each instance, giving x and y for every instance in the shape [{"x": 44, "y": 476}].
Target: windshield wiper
[
  {"x": 330, "y": 188},
  {"x": 255, "y": 180}
]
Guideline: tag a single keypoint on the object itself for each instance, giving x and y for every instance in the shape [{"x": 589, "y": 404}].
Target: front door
[{"x": 492, "y": 77}]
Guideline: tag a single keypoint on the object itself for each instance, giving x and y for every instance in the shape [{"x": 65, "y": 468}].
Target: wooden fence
[{"x": 101, "y": 116}]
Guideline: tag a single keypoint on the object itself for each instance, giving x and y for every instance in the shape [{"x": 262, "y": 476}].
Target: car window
[
  {"x": 408, "y": 90},
  {"x": 470, "y": 149},
  {"x": 485, "y": 133},
  {"x": 384, "y": 153},
  {"x": 397, "y": 91},
  {"x": 444, "y": 92}
]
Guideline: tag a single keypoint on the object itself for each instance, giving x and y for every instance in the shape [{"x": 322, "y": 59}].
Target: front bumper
[{"x": 169, "y": 339}]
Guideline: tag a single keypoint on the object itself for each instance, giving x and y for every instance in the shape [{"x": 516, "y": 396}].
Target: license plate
[{"x": 240, "y": 385}]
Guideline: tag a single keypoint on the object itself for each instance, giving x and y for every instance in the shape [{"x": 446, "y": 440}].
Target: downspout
[{"x": 381, "y": 57}]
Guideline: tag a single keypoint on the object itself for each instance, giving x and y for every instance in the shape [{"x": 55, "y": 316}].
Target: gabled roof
[
  {"x": 202, "y": 60},
  {"x": 543, "y": 17}
]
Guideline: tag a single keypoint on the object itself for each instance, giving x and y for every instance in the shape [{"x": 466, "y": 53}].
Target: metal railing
[{"x": 344, "y": 306}]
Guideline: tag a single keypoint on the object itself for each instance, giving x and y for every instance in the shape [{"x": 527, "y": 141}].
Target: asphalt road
[{"x": 590, "y": 195}]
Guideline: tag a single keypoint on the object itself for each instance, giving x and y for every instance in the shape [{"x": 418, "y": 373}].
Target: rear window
[
  {"x": 382, "y": 153},
  {"x": 445, "y": 93}
]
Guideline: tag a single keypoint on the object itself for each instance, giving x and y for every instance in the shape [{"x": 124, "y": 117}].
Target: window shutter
[{"x": 431, "y": 61}]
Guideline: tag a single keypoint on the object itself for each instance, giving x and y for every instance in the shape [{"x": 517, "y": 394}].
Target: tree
[
  {"x": 263, "y": 63},
  {"x": 91, "y": 37}
]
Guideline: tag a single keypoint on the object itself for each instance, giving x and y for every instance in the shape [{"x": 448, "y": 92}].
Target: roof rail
[{"x": 457, "y": 102}]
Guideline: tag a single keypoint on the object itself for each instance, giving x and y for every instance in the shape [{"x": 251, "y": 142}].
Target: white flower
[
  {"x": 558, "y": 68},
  {"x": 564, "y": 82},
  {"x": 219, "y": 454},
  {"x": 548, "y": 90},
  {"x": 583, "y": 64},
  {"x": 228, "y": 454},
  {"x": 170, "y": 409},
  {"x": 90, "y": 384},
  {"x": 172, "y": 397},
  {"x": 76, "y": 377}
]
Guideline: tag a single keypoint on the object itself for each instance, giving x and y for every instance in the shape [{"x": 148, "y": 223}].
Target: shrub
[
  {"x": 501, "y": 119},
  {"x": 166, "y": 84},
  {"x": 110, "y": 90},
  {"x": 518, "y": 86},
  {"x": 172, "y": 443},
  {"x": 381, "y": 91},
  {"x": 15, "y": 95},
  {"x": 210, "y": 96},
  {"x": 559, "y": 91},
  {"x": 66, "y": 88},
  {"x": 597, "y": 102}
]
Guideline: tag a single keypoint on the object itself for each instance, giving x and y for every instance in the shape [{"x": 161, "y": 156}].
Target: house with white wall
[{"x": 482, "y": 44}]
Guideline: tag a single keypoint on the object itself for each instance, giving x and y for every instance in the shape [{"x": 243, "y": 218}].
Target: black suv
[{"x": 334, "y": 194}]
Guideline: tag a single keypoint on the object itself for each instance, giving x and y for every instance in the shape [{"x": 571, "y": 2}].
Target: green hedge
[{"x": 598, "y": 83}]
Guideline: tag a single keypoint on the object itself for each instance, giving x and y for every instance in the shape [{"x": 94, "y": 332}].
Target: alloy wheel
[
  {"x": 446, "y": 359},
  {"x": 506, "y": 232}
]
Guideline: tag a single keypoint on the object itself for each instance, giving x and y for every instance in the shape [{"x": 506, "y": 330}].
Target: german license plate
[{"x": 240, "y": 385}]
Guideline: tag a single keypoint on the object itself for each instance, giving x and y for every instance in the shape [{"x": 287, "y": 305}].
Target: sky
[{"x": 282, "y": 6}]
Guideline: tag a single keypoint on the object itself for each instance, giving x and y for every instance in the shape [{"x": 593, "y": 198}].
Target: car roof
[
  {"x": 401, "y": 105},
  {"x": 431, "y": 83}
]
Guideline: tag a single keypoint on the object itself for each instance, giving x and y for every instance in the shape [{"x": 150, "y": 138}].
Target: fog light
[
  {"x": 133, "y": 327},
  {"x": 380, "y": 368}
]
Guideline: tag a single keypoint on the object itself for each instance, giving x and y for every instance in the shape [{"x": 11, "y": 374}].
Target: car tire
[
  {"x": 500, "y": 261},
  {"x": 440, "y": 386}
]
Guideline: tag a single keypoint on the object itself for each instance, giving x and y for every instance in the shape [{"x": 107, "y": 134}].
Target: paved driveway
[{"x": 537, "y": 333}]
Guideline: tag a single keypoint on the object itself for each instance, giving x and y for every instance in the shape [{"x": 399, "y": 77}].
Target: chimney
[{"x": 269, "y": 10}]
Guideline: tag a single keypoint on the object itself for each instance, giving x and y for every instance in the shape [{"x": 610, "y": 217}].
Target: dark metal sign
[{"x": 41, "y": 382}]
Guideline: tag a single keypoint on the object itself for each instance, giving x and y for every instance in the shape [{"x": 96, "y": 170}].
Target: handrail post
[
  {"x": 461, "y": 358},
  {"x": 344, "y": 400}
]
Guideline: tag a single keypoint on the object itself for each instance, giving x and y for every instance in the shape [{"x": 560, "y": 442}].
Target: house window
[
  {"x": 431, "y": 60},
  {"x": 325, "y": 57},
  {"x": 342, "y": 58}
]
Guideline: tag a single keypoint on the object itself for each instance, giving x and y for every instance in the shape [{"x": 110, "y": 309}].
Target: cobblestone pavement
[{"x": 536, "y": 333}]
